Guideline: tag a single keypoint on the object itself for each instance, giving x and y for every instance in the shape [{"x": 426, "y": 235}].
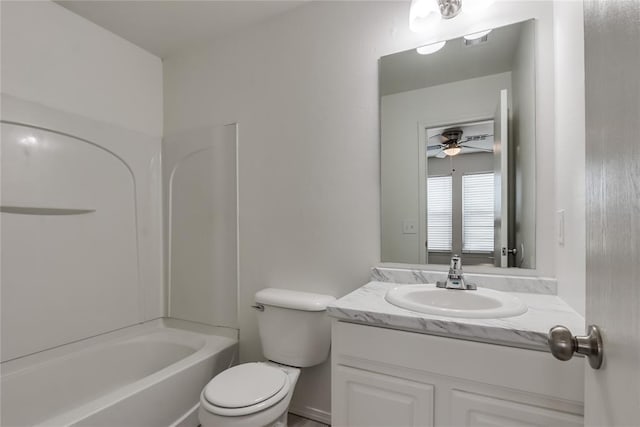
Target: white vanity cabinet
[{"x": 385, "y": 377}]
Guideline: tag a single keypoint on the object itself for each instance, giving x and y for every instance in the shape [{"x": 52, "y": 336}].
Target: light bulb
[
  {"x": 452, "y": 151},
  {"x": 430, "y": 48},
  {"x": 422, "y": 14}
]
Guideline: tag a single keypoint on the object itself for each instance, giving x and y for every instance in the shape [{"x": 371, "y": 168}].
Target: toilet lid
[{"x": 245, "y": 385}]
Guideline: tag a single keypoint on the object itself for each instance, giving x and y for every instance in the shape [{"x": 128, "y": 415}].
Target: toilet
[{"x": 295, "y": 333}]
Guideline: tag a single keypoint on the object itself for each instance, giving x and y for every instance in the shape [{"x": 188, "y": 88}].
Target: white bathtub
[{"x": 146, "y": 375}]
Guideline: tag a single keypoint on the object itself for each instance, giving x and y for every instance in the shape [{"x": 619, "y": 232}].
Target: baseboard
[{"x": 318, "y": 415}]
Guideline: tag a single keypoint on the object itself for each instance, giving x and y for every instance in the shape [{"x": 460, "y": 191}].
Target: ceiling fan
[{"x": 451, "y": 143}]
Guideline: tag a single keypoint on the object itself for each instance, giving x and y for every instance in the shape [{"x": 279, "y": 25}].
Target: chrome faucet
[{"x": 455, "y": 278}]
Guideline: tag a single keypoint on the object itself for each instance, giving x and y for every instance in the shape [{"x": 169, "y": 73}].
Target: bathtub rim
[
  {"x": 216, "y": 339},
  {"x": 29, "y": 361}
]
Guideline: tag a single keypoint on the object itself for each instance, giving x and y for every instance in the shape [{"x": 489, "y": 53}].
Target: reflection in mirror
[{"x": 458, "y": 151}]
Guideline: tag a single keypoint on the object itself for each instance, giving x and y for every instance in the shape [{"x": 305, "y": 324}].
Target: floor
[{"x": 297, "y": 421}]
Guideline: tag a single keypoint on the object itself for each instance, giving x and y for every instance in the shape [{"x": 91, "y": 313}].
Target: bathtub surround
[
  {"x": 100, "y": 264},
  {"x": 63, "y": 73},
  {"x": 201, "y": 224}
]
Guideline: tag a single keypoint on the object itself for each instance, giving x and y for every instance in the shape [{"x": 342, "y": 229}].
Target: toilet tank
[{"x": 294, "y": 327}]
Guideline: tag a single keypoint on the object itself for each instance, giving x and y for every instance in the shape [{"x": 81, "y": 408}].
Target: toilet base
[
  {"x": 274, "y": 416},
  {"x": 211, "y": 420}
]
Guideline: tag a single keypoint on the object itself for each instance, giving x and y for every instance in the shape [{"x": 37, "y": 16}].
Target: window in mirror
[
  {"x": 478, "y": 213},
  {"x": 439, "y": 213}
]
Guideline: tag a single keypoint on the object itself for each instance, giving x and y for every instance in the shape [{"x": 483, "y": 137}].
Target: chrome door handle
[{"x": 563, "y": 345}]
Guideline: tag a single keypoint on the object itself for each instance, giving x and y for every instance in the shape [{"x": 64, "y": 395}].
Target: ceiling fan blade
[
  {"x": 441, "y": 155},
  {"x": 489, "y": 150},
  {"x": 477, "y": 138},
  {"x": 435, "y": 136},
  {"x": 434, "y": 147}
]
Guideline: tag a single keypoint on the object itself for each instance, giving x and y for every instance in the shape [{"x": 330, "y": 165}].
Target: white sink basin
[{"x": 479, "y": 304}]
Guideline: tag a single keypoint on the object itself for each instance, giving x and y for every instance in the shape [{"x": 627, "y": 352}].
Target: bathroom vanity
[{"x": 392, "y": 366}]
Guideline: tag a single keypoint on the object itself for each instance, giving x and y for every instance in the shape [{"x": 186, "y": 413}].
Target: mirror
[{"x": 458, "y": 150}]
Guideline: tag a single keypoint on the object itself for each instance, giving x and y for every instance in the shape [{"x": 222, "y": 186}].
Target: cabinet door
[
  {"x": 367, "y": 399},
  {"x": 470, "y": 409}
]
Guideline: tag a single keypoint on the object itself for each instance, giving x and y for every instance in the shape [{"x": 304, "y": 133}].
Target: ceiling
[{"x": 164, "y": 27}]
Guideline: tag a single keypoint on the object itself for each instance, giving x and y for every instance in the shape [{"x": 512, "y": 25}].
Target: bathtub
[{"x": 146, "y": 375}]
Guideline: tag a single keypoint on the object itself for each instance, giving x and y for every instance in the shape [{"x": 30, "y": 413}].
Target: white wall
[
  {"x": 62, "y": 72},
  {"x": 570, "y": 146},
  {"x": 53, "y": 57},
  {"x": 303, "y": 88},
  {"x": 401, "y": 115}
]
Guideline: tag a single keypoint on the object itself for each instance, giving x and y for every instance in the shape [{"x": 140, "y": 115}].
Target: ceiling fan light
[
  {"x": 452, "y": 151},
  {"x": 430, "y": 48}
]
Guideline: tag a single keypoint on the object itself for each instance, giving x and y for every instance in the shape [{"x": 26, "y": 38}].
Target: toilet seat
[{"x": 245, "y": 389}]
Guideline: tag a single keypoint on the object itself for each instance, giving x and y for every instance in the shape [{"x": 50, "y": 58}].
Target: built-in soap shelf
[{"x": 36, "y": 210}]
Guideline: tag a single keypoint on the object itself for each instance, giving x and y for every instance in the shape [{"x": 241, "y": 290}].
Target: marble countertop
[{"x": 366, "y": 305}]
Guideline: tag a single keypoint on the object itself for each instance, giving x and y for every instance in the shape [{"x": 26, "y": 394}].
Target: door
[
  {"x": 612, "y": 61},
  {"x": 501, "y": 176}
]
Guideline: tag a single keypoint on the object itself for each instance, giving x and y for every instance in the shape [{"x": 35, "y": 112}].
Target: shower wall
[
  {"x": 201, "y": 235},
  {"x": 81, "y": 182}
]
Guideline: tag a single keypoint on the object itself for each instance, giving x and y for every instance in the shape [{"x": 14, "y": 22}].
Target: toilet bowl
[
  {"x": 295, "y": 333},
  {"x": 249, "y": 395}
]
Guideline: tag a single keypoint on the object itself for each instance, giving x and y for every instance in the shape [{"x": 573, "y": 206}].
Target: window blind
[
  {"x": 477, "y": 212},
  {"x": 439, "y": 213}
]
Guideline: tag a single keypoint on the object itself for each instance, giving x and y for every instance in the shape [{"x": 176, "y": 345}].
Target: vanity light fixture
[
  {"x": 478, "y": 35},
  {"x": 430, "y": 48},
  {"x": 424, "y": 13},
  {"x": 476, "y": 38}
]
